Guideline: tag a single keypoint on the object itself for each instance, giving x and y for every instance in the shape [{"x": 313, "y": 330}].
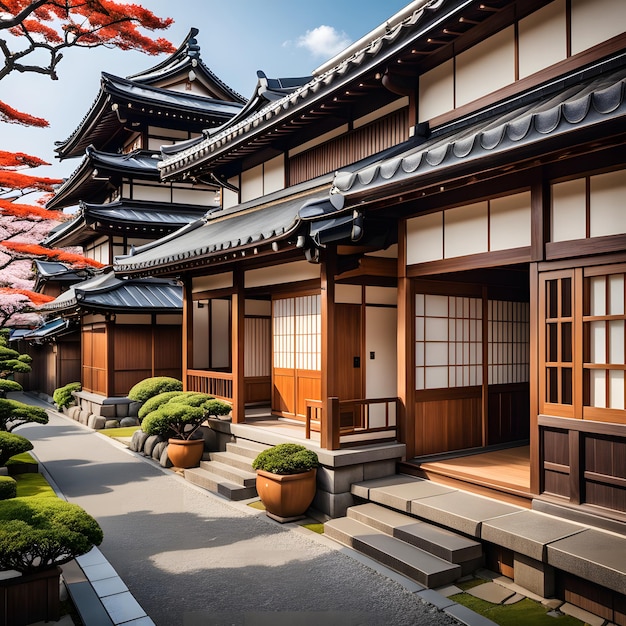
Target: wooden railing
[
  {"x": 217, "y": 384},
  {"x": 385, "y": 426}
]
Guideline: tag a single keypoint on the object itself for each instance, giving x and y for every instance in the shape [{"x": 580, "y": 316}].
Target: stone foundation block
[
  {"x": 121, "y": 410},
  {"x": 104, "y": 410},
  {"x": 83, "y": 417},
  {"x": 338, "y": 480},
  {"x": 165, "y": 460},
  {"x": 137, "y": 441},
  {"x": 133, "y": 408},
  {"x": 157, "y": 451},
  {"x": 111, "y": 424},
  {"x": 379, "y": 469},
  {"x": 91, "y": 420},
  {"x": 332, "y": 504},
  {"x": 534, "y": 575},
  {"x": 129, "y": 421}
]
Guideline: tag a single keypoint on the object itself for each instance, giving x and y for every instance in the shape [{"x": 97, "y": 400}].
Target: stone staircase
[
  {"x": 228, "y": 473},
  {"x": 426, "y": 553}
]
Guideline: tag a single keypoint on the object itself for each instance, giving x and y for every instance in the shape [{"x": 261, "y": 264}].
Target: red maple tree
[{"x": 37, "y": 33}]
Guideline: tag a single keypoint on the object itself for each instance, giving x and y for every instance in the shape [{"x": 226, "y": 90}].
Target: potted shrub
[
  {"x": 178, "y": 419},
  {"x": 37, "y": 535},
  {"x": 286, "y": 480}
]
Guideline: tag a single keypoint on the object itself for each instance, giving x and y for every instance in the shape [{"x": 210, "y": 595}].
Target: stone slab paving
[
  {"x": 190, "y": 557},
  {"x": 401, "y": 495},
  {"x": 362, "y": 489},
  {"x": 528, "y": 532},
  {"x": 491, "y": 592}
]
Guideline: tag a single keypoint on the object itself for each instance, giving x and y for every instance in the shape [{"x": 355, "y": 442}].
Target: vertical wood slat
[{"x": 329, "y": 435}]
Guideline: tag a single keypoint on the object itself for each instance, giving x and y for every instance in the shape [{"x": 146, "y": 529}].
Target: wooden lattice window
[
  {"x": 297, "y": 332},
  {"x": 557, "y": 355},
  {"x": 508, "y": 342},
  {"x": 448, "y": 341}
]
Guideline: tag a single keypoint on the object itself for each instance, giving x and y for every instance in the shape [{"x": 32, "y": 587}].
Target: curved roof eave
[
  {"x": 581, "y": 105},
  {"x": 375, "y": 52}
]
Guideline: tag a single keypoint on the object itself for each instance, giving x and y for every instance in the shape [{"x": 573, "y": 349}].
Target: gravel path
[{"x": 191, "y": 558}]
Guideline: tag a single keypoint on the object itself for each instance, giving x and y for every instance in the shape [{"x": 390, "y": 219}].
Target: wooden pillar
[
  {"x": 237, "y": 349},
  {"x": 540, "y": 234},
  {"x": 405, "y": 361},
  {"x": 187, "y": 330},
  {"x": 329, "y": 428},
  {"x": 109, "y": 357}
]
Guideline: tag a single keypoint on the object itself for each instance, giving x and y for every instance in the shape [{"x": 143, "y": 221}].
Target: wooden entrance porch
[{"x": 502, "y": 473}]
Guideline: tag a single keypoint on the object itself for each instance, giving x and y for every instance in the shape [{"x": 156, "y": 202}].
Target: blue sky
[{"x": 237, "y": 37}]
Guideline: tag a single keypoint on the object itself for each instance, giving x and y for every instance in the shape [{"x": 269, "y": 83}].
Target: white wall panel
[
  {"x": 436, "y": 91},
  {"x": 509, "y": 222},
  {"x": 424, "y": 238},
  {"x": 607, "y": 202},
  {"x": 594, "y": 21},
  {"x": 466, "y": 230},
  {"x": 568, "y": 214}
]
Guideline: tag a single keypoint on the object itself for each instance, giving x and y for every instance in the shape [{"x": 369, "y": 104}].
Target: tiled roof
[
  {"x": 106, "y": 292},
  {"x": 583, "y": 104}
]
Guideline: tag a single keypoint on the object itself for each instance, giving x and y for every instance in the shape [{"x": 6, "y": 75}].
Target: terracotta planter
[
  {"x": 30, "y": 598},
  {"x": 185, "y": 453},
  {"x": 286, "y": 496}
]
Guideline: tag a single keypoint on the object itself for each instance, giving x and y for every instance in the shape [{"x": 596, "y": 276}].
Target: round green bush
[
  {"x": 152, "y": 404},
  {"x": 8, "y": 487},
  {"x": 286, "y": 458},
  {"x": 63, "y": 395},
  {"x": 173, "y": 420},
  {"x": 150, "y": 387},
  {"x": 12, "y": 444},
  {"x": 38, "y": 533}
]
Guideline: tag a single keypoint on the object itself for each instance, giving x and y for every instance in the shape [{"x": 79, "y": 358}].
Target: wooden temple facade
[{"x": 423, "y": 242}]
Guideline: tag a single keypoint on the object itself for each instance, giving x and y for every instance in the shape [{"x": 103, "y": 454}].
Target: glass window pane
[{"x": 597, "y": 342}]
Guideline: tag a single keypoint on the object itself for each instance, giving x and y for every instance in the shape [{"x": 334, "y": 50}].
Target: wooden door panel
[
  {"x": 348, "y": 356},
  {"x": 309, "y": 387}
]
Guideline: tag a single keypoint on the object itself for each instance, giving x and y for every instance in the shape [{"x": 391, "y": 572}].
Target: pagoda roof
[
  {"x": 107, "y": 293},
  {"x": 156, "y": 96},
  {"x": 57, "y": 272},
  {"x": 95, "y": 177},
  {"x": 136, "y": 218}
]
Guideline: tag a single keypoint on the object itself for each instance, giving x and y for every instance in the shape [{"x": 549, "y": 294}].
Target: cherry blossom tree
[{"x": 36, "y": 35}]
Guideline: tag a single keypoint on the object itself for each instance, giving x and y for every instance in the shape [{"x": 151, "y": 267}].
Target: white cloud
[{"x": 324, "y": 41}]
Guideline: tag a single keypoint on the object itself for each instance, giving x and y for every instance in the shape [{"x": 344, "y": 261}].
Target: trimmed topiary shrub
[
  {"x": 286, "y": 458},
  {"x": 14, "y": 414},
  {"x": 8, "y": 385},
  {"x": 150, "y": 387},
  {"x": 215, "y": 408},
  {"x": 12, "y": 444},
  {"x": 174, "y": 420},
  {"x": 152, "y": 404},
  {"x": 8, "y": 487},
  {"x": 63, "y": 395},
  {"x": 39, "y": 533}
]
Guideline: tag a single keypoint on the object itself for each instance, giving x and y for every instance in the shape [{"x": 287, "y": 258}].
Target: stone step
[
  {"x": 415, "y": 563},
  {"x": 249, "y": 449},
  {"x": 232, "y": 459},
  {"x": 218, "y": 484},
  {"x": 245, "y": 478},
  {"x": 443, "y": 543}
]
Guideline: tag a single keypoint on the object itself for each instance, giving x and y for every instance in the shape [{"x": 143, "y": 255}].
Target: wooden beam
[
  {"x": 237, "y": 350},
  {"x": 405, "y": 361},
  {"x": 187, "y": 338},
  {"x": 536, "y": 459},
  {"x": 329, "y": 428}
]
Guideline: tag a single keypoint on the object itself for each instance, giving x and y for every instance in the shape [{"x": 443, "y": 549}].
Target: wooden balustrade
[
  {"x": 217, "y": 384},
  {"x": 362, "y": 422}
]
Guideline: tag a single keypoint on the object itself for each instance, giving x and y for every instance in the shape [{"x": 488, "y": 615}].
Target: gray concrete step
[
  {"x": 443, "y": 543},
  {"x": 415, "y": 563},
  {"x": 219, "y": 484},
  {"x": 249, "y": 449},
  {"x": 245, "y": 478},
  {"x": 234, "y": 460}
]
